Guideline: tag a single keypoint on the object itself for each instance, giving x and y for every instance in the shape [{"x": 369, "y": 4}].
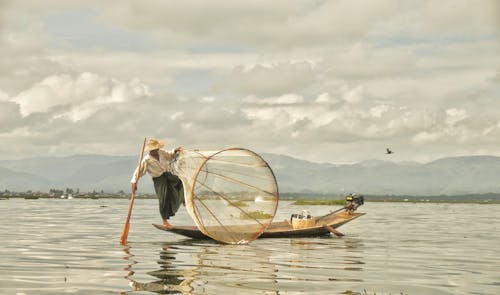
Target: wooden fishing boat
[
  {"x": 322, "y": 225},
  {"x": 232, "y": 196}
]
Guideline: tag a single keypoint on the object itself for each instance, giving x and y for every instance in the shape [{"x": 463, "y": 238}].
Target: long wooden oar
[{"x": 126, "y": 226}]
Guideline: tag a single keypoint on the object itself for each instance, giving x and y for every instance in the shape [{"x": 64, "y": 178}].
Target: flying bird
[{"x": 388, "y": 151}]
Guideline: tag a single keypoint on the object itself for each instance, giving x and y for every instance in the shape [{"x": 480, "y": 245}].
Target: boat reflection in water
[
  {"x": 268, "y": 266},
  {"x": 213, "y": 267},
  {"x": 171, "y": 278}
]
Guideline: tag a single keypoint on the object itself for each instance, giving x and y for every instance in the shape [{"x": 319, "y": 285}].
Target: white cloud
[
  {"x": 343, "y": 76},
  {"x": 455, "y": 115},
  {"x": 80, "y": 96},
  {"x": 3, "y": 96},
  {"x": 378, "y": 111},
  {"x": 207, "y": 99},
  {"x": 9, "y": 115},
  {"x": 176, "y": 115},
  {"x": 352, "y": 95},
  {"x": 272, "y": 79},
  {"x": 325, "y": 98},
  {"x": 425, "y": 137},
  {"x": 279, "y": 100}
]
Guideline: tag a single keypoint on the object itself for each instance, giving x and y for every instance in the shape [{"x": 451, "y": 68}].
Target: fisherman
[{"x": 168, "y": 187}]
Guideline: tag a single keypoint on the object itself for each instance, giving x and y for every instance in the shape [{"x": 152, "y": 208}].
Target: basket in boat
[{"x": 302, "y": 220}]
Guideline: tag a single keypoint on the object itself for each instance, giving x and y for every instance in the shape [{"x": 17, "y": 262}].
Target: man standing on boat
[{"x": 168, "y": 187}]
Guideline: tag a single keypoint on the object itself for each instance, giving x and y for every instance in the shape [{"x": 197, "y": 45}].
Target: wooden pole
[{"x": 126, "y": 226}]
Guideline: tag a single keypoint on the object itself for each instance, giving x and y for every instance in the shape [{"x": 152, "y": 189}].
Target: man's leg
[{"x": 162, "y": 190}]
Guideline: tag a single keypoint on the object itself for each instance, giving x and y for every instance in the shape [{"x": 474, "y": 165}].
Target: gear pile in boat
[{"x": 353, "y": 201}]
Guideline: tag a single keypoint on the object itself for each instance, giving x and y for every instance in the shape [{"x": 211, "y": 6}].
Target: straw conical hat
[{"x": 154, "y": 144}]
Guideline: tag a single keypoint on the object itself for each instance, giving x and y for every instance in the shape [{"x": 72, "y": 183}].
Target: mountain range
[{"x": 447, "y": 176}]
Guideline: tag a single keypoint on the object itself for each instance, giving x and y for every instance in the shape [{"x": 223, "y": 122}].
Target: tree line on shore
[
  {"x": 96, "y": 194},
  {"x": 67, "y": 193}
]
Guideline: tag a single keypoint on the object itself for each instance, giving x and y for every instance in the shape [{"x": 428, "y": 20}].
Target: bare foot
[{"x": 166, "y": 224}]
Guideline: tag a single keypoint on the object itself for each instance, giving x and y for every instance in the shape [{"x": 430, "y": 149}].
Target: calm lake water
[{"x": 72, "y": 246}]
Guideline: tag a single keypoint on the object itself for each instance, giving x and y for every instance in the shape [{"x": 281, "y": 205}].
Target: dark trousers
[{"x": 168, "y": 188}]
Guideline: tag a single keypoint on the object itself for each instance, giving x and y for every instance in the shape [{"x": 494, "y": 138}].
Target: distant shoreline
[{"x": 305, "y": 200}]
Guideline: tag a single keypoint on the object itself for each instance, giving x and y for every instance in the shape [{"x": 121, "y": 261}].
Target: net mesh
[{"x": 231, "y": 194}]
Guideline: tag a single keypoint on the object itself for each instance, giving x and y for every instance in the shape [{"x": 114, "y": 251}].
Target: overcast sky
[{"x": 325, "y": 81}]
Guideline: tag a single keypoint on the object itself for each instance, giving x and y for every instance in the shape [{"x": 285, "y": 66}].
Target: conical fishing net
[{"x": 231, "y": 194}]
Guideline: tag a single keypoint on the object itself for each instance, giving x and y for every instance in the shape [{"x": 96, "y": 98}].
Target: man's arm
[{"x": 137, "y": 174}]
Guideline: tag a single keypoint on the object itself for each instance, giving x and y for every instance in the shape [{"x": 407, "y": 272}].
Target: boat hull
[{"x": 282, "y": 229}]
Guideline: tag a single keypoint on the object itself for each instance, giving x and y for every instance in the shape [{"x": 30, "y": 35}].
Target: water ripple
[{"x": 71, "y": 246}]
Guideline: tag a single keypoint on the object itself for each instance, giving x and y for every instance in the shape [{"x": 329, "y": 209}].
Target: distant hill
[
  {"x": 448, "y": 176},
  {"x": 14, "y": 180},
  {"x": 85, "y": 172}
]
